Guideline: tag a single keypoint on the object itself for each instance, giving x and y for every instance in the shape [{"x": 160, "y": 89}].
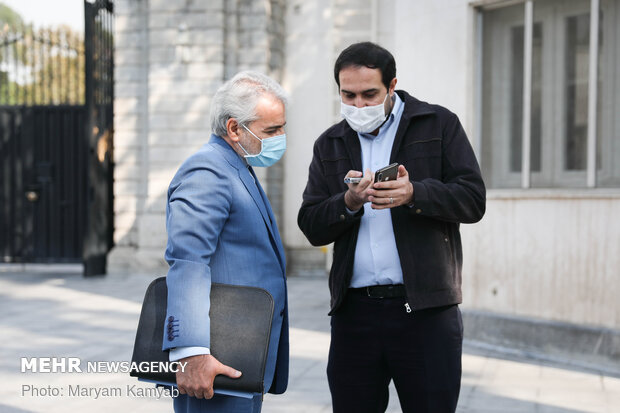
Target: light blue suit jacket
[{"x": 221, "y": 229}]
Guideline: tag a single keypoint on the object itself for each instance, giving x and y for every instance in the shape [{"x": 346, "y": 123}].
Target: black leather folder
[{"x": 240, "y": 329}]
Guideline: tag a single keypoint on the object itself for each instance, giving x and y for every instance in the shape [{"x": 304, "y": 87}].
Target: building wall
[
  {"x": 548, "y": 254},
  {"x": 316, "y": 33},
  {"x": 434, "y": 57},
  {"x": 171, "y": 57},
  {"x": 307, "y": 78},
  {"x": 130, "y": 120}
]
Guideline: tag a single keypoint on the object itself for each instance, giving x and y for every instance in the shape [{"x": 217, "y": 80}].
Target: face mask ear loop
[
  {"x": 384, "y": 100},
  {"x": 246, "y": 128},
  {"x": 252, "y": 133},
  {"x": 243, "y": 149}
]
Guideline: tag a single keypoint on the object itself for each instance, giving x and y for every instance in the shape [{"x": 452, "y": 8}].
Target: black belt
[{"x": 381, "y": 291}]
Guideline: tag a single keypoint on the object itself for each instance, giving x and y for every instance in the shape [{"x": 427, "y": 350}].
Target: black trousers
[{"x": 374, "y": 340}]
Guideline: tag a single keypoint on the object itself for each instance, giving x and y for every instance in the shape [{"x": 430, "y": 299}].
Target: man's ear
[
  {"x": 392, "y": 86},
  {"x": 232, "y": 129}
]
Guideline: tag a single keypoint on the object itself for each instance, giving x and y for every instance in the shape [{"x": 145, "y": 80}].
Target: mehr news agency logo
[{"x": 75, "y": 365}]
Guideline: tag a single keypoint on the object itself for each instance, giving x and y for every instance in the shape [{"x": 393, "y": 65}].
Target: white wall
[
  {"x": 317, "y": 32},
  {"x": 433, "y": 53},
  {"x": 169, "y": 61},
  {"x": 546, "y": 254},
  {"x": 308, "y": 80}
]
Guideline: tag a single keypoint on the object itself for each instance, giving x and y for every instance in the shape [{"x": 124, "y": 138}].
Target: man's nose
[{"x": 359, "y": 102}]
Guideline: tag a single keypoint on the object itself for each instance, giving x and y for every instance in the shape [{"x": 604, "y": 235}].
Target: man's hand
[
  {"x": 200, "y": 371},
  {"x": 357, "y": 195},
  {"x": 390, "y": 194}
]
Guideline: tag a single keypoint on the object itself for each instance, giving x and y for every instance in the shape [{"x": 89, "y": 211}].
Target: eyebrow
[
  {"x": 274, "y": 127},
  {"x": 374, "y": 89}
]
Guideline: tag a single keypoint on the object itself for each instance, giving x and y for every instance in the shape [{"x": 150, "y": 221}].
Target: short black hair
[{"x": 370, "y": 55}]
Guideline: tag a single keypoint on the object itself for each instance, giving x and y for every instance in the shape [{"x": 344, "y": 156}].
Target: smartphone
[
  {"x": 387, "y": 173},
  {"x": 351, "y": 180}
]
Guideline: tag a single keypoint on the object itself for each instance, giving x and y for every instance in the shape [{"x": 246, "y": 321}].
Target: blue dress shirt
[{"x": 376, "y": 257}]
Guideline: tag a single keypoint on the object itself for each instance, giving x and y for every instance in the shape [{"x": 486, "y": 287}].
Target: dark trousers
[{"x": 374, "y": 340}]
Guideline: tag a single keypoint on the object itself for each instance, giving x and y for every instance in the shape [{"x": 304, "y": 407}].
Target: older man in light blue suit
[{"x": 221, "y": 229}]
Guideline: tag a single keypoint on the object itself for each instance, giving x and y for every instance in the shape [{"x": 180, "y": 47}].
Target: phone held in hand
[
  {"x": 387, "y": 173},
  {"x": 352, "y": 180}
]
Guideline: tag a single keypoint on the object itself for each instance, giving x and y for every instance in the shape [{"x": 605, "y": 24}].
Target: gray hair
[{"x": 237, "y": 98}]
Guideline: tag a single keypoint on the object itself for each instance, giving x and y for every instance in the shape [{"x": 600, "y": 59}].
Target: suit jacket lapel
[
  {"x": 256, "y": 191},
  {"x": 273, "y": 228},
  {"x": 252, "y": 188}
]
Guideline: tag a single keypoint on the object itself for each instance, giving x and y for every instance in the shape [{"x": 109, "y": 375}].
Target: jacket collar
[
  {"x": 228, "y": 152},
  {"x": 250, "y": 182}
]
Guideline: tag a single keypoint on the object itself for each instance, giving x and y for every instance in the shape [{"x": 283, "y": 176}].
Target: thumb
[
  {"x": 402, "y": 171},
  {"x": 229, "y": 371}
]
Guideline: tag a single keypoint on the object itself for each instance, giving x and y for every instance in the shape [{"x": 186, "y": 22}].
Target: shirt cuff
[
  {"x": 352, "y": 212},
  {"x": 179, "y": 353}
]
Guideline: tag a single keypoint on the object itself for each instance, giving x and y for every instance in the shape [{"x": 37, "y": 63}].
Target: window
[{"x": 536, "y": 62}]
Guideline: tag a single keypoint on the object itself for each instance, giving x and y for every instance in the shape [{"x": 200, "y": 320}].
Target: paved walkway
[{"x": 64, "y": 315}]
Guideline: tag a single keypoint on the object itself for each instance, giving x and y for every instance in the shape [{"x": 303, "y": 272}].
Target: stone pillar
[
  {"x": 130, "y": 122},
  {"x": 171, "y": 56}
]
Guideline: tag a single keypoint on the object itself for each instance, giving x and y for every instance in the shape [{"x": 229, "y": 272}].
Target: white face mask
[{"x": 366, "y": 119}]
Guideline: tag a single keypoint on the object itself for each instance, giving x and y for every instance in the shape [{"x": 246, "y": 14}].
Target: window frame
[{"x": 600, "y": 109}]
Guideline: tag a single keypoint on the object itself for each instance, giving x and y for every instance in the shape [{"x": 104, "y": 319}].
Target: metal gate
[
  {"x": 56, "y": 95},
  {"x": 43, "y": 181}
]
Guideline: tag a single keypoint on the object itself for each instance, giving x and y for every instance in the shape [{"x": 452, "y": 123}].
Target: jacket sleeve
[
  {"x": 460, "y": 196},
  {"x": 323, "y": 216},
  {"x": 198, "y": 206}
]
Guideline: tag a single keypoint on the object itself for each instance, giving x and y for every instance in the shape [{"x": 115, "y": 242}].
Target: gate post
[{"x": 99, "y": 67}]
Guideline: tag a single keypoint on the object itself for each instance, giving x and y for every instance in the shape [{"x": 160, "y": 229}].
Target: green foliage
[
  {"x": 9, "y": 18},
  {"x": 39, "y": 66}
]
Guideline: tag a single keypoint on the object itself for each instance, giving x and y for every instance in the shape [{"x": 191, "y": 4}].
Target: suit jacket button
[
  {"x": 418, "y": 211},
  {"x": 342, "y": 217}
]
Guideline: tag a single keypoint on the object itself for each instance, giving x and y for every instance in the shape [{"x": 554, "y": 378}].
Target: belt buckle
[{"x": 371, "y": 296}]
